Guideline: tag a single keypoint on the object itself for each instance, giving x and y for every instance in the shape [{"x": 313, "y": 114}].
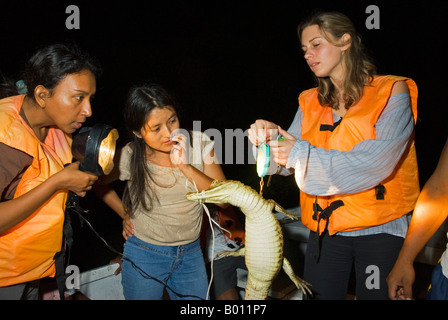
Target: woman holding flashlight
[{"x": 37, "y": 117}]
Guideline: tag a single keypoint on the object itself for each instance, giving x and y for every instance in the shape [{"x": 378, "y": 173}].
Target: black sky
[{"x": 232, "y": 62}]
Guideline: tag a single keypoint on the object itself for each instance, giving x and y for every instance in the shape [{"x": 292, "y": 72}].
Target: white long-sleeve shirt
[{"x": 328, "y": 172}]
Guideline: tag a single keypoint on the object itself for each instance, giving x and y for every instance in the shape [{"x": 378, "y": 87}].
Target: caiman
[{"x": 263, "y": 248}]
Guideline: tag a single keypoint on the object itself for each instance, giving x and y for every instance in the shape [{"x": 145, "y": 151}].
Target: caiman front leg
[
  {"x": 300, "y": 284},
  {"x": 279, "y": 208},
  {"x": 237, "y": 253}
]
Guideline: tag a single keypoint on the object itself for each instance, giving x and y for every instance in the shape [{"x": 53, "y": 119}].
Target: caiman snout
[{"x": 219, "y": 192}]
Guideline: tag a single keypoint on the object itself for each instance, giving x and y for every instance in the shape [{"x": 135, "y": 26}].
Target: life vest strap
[
  {"x": 324, "y": 214},
  {"x": 380, "y": 190},
  {"x": 62, "y": 258},
  {"x": 329, "y": 127}
]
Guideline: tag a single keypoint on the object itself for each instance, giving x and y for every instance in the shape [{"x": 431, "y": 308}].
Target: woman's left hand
[{"x": 282, "y": 148}]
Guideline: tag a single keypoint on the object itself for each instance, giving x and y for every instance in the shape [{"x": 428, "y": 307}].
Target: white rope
[{"x": 210, "y": 219}]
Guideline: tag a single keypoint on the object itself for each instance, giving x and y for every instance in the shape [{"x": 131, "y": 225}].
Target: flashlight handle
[
  {"x": 81, "y": 166},
  {"x": 72, "y": 197}
]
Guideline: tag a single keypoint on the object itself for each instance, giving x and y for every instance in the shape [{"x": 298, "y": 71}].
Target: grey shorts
[
  {"x": 22, "y": 291},
  {"x": 224, "y": 274}
]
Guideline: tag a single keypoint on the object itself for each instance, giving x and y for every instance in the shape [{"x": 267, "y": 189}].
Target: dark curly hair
[{"x": 49, "y": 66}]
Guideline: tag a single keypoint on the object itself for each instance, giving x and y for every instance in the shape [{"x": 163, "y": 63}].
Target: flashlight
[{"x": 95, "y": 148}]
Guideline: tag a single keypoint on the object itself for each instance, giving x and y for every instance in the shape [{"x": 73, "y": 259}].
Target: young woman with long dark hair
[{"x": 161, "y": 165}]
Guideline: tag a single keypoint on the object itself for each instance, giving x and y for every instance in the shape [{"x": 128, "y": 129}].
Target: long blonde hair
[{"x": 359, "y": 69}]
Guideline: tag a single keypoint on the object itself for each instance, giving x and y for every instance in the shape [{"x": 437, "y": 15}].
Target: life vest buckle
[
  {"x": 380, "y": 190},
  {"x": 327, "y": 212}
]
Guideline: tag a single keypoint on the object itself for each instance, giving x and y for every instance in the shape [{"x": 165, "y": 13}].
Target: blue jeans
[
  {"x": 439, "y": 285},
  {"x": 182, "y": 268}
]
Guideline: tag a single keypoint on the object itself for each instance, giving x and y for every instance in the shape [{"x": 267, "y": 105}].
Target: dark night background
[{"x": 229, "y": 63}]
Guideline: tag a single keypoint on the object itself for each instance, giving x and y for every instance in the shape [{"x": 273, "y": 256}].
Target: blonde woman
[{"x": 351, "y": 147}]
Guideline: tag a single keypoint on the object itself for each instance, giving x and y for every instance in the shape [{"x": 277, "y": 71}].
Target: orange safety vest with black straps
[
  {"x": 27, "y": 250},
  {"x": 228, "y": 220},
  {"x": 394, "y": 197}
]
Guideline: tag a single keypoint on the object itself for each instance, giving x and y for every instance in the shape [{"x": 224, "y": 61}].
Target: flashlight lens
[{"x": 107, "y": 152}]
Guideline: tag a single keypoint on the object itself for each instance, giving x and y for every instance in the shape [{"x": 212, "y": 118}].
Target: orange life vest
[
  {"x": 364, "y": 209},
  {"x": 27, "y": 249},
  {"x": 228, "y": 220}
]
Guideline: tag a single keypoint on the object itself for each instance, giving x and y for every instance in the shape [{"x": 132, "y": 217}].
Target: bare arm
[
  {"x": 16, "y": 210},
  {"x": 106, "y": 193},
  {"x": 212, "y": 169},
  {"x": 430, "y": 211},
  {"x": 110, "y": 197}
]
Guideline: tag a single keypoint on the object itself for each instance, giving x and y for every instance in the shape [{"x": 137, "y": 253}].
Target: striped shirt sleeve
[{"x": 329, "y": 172}]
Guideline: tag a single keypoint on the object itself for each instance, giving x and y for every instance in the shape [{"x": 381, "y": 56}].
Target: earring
[{"x": 138, "y": 135}]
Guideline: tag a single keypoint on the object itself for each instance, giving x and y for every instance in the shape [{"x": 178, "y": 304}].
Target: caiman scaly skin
[{"x": 263, "y": 248}]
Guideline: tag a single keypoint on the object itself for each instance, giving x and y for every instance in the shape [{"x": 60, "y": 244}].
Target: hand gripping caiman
[{"x": 263, "y": 249}]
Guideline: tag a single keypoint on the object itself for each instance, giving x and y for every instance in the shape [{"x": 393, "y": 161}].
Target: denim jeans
[{"x": 182, "y": 268}]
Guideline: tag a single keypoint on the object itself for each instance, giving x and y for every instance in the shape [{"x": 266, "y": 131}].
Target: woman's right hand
[
  {"x": 262, "y": 131},
  {"x": 75, "y": 180}
]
